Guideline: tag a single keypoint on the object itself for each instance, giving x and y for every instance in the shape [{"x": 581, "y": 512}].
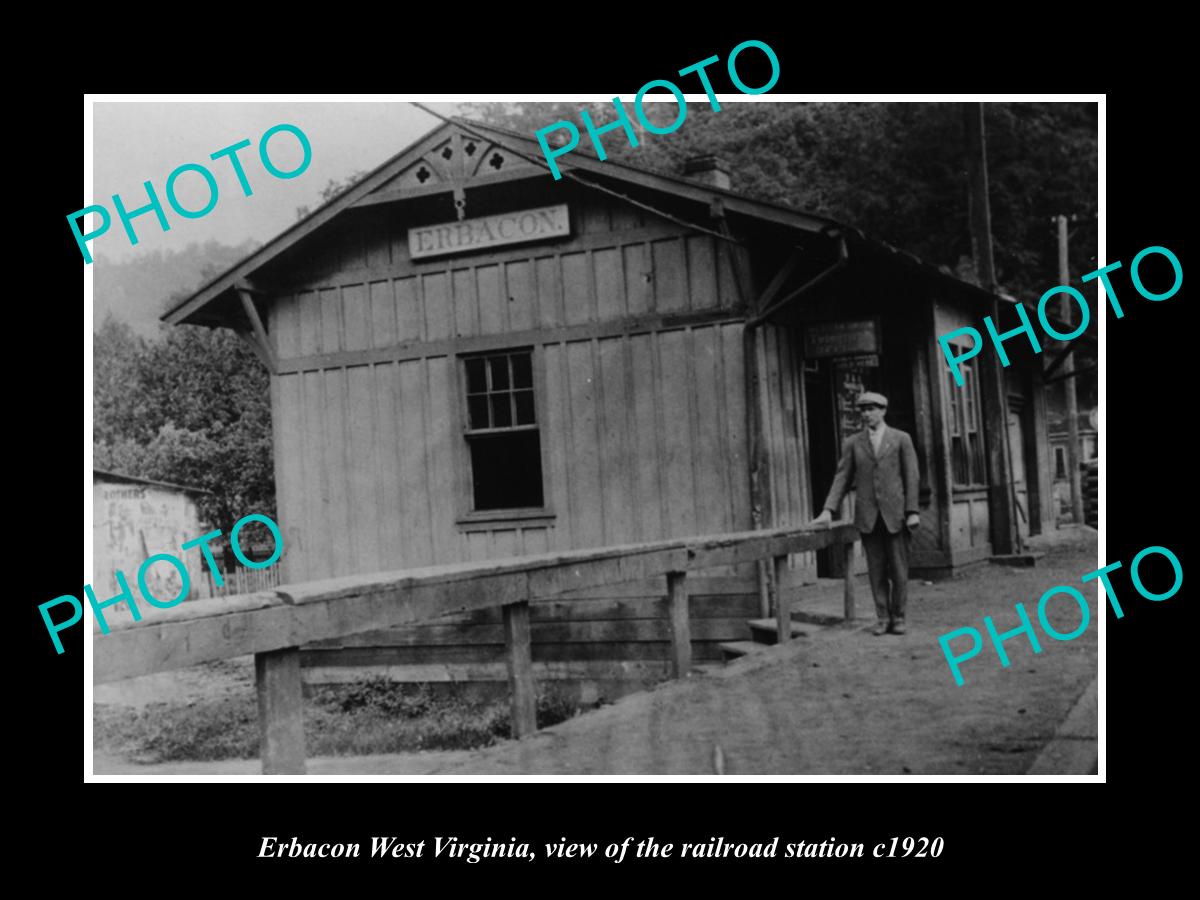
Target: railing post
[
  {"x": 280, "y": 711},
  {"x": 848, "y": 591},
  {"x": 764, "y": 588},
  {"x": 519, "y": 656},
  {"x": 681, "y": 630},
  {"x": 783, "y": 607}
]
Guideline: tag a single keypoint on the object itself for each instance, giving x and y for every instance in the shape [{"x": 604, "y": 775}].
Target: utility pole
[
  {"x": 1068, "y": 380},
  {"x": 1001, "y": 512}
]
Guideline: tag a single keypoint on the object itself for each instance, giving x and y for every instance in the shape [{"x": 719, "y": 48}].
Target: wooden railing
[{"x": 274, "y": 624}]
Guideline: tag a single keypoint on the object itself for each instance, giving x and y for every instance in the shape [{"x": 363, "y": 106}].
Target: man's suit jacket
[{"x": 886, "y": 484}]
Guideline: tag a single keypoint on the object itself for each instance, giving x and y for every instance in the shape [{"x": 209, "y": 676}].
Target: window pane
[
  {"x": 476, "y": 383},
  {"x": 499, "y": 367},
  {"x": 979, "y": 475},
  {"x": 524, "y": 407},
  {"x": 522, "y": 365},
  {"x": 959, "y": 453},
  {"x": 952, "y": 404},
  {"x": 478, "y": 408},
  {"x": 501, "y": 410},
  {"x": 969, "y": 397},
  {"x": 506, "y": 470}
]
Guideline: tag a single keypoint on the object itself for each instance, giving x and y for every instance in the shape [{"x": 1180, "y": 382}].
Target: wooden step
[
  {"x": 736, "y": 649},
  {"x": 766, "y": 631},
  {"x": 815, "y": 618}
]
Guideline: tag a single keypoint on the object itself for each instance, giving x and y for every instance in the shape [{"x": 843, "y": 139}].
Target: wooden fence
[
  {"x": 242, "y": 581},
  {"x": 274, "y": 624}
]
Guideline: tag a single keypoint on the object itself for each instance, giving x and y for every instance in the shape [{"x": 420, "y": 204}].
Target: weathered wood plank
[
  {"x": 384, "y": 331},
  {"x": 556, "y": 424},
  {"x": 736, "y": 461},
  {"x": 363, "y": 476},
  {"x": 639, "y": 279},
  {"x": 410, "y": 316},
  {"x": 433, "y": 672},
  {"x": 670, "y": 275},
  {"x": 310, "y": 323},
  {"x": 583, "y": 460},
  {"x": 331, "y": 320},
  {"x": 389, "y": 451},
  {"x": 334, "y": 607},
  {"x": 285, "y": 324},
  {"x": 438, "y": 310},
  {"x": 519, "y": 658},
  {"x": 658, "y": 651},
  {"x": 289, "y": 476},
  {"x": 676, "y": 427},
  {"x": 416, "y": 538},
  {"x": 519, "y": 294},
  {"x": 783, "y": 603},
  {"x": 493, "y": 308},
  {"x": 442, "y": 431},
  {"x": 616, "y": 455},
  {"x": 280, "y": 711},
  {"x": 336, "y": 529},
  {"x": 357, "y": 317},
  {"x": 702, "y": 272},
  {"x": 681, "y": 635},
  {"x": 645, "y": 437},
  {"x": 577, "y": 299},
  {"x": 466, "y": 305},
  {"x": 315, "y": 560},
  {"x": 645, "y": 605},
  {"x": 610, "y": 283},
  {"x": 591, "y": 631},
  {"x": 549, "y": 292},
  {"x": 709, "y": 458}
]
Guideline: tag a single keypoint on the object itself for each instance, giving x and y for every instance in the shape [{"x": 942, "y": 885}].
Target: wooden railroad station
[{"x": 471, "y": 361}]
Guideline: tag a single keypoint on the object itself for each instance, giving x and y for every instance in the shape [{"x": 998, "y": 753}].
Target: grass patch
[{"x": 376, "y": 716}]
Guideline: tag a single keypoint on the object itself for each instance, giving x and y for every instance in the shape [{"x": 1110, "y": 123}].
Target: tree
[
  {"x": 191, "y": 409},
  {"x": 893, "y": 170},
  {"x": 332, "y": 188}
]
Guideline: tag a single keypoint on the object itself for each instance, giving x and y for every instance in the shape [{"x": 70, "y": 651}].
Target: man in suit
[{"x": 882, "y": 463}]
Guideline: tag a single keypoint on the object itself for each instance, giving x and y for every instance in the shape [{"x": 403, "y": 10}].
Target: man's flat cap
[{"x": 870, "y": 397}]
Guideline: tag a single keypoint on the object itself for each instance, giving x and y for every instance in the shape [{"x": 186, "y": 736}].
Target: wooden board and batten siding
[{"x": 640, "y": 401}]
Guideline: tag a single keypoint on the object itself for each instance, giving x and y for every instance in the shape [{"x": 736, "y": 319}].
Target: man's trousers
[{"x": 887, "y": 569}]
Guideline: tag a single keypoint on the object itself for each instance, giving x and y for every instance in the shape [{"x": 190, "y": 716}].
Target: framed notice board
[
  {"x": 848, "y": 337},
  {"x": 851, "y": 376}
]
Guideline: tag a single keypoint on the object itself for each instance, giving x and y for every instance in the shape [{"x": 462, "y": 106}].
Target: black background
[{"x": 209, "y": 833}]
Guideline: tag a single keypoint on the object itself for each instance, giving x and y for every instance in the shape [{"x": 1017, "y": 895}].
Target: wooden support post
[
  {"x": 260, "y": 331},
  {"x": 681, "y": 631},
  {"x": 519, "y": 656},
  {"x": 1074, "y": 475},
  {"x": 783, "y": 608},
  {"x": 764, "y": 589},
  {"x": 1001, "y": 506},
  {"x": 848, "y": 594},
  {"x": 280, "y": 711}
]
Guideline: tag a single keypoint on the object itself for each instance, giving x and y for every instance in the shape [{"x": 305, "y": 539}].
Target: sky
[{"x": 134, "y": 142}]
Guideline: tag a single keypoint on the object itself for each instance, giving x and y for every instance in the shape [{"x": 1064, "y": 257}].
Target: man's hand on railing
[{"x": 822, "y": 521}]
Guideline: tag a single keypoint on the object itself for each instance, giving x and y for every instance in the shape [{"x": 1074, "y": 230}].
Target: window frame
[
  {"x": 964, "y": 422},
  {"x": 469, "y": 518},
  {"x": 1060, "y": 462}
]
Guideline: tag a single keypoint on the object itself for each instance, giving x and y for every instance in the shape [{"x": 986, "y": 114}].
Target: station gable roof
[{"x": 461, "y": 154}]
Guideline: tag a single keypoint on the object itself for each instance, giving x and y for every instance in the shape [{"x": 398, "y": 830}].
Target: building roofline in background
[{"x": 133, "y": 479}]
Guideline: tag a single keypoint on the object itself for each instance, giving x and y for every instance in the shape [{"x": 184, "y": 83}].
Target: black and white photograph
[{"x": 561, "y": 438}]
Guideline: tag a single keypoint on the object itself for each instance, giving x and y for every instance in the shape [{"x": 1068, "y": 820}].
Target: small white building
[{"x": 135, "y": 518}]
